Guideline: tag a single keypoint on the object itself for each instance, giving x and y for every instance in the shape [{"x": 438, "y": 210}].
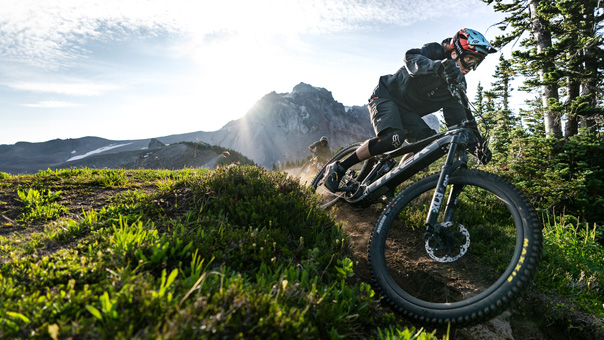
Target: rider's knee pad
[{"x": 387, "y": 140}]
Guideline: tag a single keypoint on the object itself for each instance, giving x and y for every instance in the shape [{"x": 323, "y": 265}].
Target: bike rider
[
  {"x": 418, "y": 88},
  {"x": 321, "y": 149}
]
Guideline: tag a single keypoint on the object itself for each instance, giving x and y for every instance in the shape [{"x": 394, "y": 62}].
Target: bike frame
[{"x": 426, "y": 152}]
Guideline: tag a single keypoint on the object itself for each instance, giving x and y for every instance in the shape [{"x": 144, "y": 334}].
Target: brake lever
[{"x": 458, "y": 91}]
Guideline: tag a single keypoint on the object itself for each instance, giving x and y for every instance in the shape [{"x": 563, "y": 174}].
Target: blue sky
[{"x": 130, "y": 69}]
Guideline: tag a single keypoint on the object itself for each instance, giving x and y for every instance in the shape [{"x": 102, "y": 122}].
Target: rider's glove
[{"x": 450, "y": 71}]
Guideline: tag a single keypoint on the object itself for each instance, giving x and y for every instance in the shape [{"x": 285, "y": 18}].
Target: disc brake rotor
[{"x": 449, "y": 244}]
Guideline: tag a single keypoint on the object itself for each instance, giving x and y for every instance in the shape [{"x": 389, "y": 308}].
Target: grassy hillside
[
  {"x": 234, "y": 253},
  {"x": 239, "y": 252}
]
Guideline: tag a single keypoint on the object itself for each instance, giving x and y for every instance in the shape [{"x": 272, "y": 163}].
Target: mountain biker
[
  {"x": 418, "y": 88},
  {"x": 321, "y": 149}
]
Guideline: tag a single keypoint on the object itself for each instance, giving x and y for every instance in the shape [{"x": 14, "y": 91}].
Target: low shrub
[
  {"x": 40, "y": 205},
  {"x": 237, "y": 253}
]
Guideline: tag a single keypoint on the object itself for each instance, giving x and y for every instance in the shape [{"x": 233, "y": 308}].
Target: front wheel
[
  {"x": 483, "y": 252},
  {"x": 306, "y": 167}
]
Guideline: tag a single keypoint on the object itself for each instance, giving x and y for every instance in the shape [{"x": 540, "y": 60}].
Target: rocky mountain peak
[
  {"x": 304, "y": 89},
  {"x": 281, "y": 126},
  {"x": 155, "y": 144}
]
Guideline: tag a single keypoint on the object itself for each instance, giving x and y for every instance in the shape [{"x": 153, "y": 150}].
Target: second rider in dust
[{"x": 321, "y": 149}]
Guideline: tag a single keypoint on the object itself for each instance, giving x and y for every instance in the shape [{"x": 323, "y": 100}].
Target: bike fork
[{"x": 441, "y": 188}]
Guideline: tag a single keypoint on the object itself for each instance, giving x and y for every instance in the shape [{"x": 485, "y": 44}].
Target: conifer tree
[
  {"x": 479, "y": 100},
  {"x": 538, "y": 57},
  {"x": 503, "y": 121},
  {"x": 501, "y": 87},
  {"x": 578, "y": 37},
  {"x": 562, "y": 43},
  {"x": 483, "y": 106},
  {"x": 484, "y": 102}
]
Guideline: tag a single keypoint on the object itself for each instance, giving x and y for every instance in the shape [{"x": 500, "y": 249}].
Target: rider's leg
[
  {"x": 387, "y": 140},
  {"x": 388, "y": 127},
  {"x": 386, "y": 122},
  {"x": 417, "y": 127}
]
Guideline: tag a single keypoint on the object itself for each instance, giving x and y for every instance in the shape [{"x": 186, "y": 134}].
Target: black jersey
[{"x": 418, "y": 88}]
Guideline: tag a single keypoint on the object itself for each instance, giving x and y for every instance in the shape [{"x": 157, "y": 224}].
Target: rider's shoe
[{"x": 333, "y": 176}]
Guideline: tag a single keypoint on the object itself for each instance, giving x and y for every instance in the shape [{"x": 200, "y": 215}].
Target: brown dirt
[
  {"x": 526, "y": 320},
  {"x": 357, "y": 223}
]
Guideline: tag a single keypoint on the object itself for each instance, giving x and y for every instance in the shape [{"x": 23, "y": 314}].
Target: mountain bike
[
  {"x": 312, "y": 165},
  {"x": 457, "y": 246},
  {"x": 309, "y": 170}
]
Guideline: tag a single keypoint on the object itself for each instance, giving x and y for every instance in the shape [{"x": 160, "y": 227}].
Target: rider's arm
[{"x": 425, "y": 60}]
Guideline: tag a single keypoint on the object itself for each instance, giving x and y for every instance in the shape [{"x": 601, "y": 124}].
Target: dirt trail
[
  {"x": 358, "y": 223},
  {"x": 523, "y": 321}
]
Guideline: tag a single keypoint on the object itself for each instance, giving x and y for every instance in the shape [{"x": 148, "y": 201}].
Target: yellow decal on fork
[{"x": 520, "y": 261}]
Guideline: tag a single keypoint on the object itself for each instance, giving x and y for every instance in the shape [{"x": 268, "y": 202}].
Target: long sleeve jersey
[{"x": 418, "y": 88}]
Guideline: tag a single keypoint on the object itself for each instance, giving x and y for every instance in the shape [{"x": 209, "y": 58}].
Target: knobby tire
[{"x": 505, "y": 245}]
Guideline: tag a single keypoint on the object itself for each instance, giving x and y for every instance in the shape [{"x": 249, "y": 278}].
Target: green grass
[
  {"x": 238, "y": 252},
  {"x": 573, "y": 263},
  {"x": 234, "y": 253}
]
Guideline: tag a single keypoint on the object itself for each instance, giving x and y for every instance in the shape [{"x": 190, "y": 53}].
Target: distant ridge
[{"x": 277, "y": 128}]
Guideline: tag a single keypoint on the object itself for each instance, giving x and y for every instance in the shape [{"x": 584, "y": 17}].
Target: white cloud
[
  {"x": 50, "y": 34},
  {"x": 195, "y": 64},
  {"x": 75, "y": 89},
  {"x": 52, "y": 104}
]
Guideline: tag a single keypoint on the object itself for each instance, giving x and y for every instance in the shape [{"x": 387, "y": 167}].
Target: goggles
[{"x": 474, "y": 61}]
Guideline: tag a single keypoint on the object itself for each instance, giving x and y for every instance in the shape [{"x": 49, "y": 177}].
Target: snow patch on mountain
[{"x": 97, "y": 151}]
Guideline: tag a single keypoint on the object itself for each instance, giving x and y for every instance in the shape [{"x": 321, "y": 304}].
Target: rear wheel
[{"x": 468, "y": 269}]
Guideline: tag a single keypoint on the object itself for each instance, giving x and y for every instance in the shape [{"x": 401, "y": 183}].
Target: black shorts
[{"x": 385, "y": 113}]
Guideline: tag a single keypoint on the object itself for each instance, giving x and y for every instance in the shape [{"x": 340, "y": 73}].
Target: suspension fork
[
  {"x": 452, "y": 202},
  {"x": 441, "y": 188}
]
